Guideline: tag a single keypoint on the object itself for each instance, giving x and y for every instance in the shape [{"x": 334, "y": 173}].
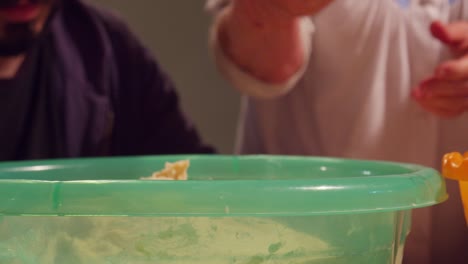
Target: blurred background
[{"x": 176, "y": 31}]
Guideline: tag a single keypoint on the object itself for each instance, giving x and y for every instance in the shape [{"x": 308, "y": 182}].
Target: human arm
[
  {"x": 148, "y": 116},
  {"x": 260, "y": 46}
]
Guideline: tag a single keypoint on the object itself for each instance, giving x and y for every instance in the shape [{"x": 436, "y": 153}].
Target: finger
[
  {"x": 300, "y": 7},
  {"x": 450, "y": 104},
  {"x": 453, "y": 34},
  {"x": 438, "y": 88},
  {"x": 440, "y": 112},
  {"x": 456, "y": 69}
]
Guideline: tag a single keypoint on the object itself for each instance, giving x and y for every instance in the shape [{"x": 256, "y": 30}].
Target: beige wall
[{"x": 177, "y": 31}]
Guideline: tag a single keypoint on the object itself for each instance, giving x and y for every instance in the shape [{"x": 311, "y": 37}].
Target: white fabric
[{"x": 353, "y": 100}]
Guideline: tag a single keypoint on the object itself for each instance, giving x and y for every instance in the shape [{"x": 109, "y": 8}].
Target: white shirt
[{"x": 352, "y": 99}]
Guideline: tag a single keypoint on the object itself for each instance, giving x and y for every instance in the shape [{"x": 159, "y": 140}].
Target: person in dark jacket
[{"x": 75, "y": 82}]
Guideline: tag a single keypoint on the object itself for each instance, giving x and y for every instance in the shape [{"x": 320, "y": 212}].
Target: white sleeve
[
  {"x": 214, "y": 6},
  {"x": 244, "y": 81}
]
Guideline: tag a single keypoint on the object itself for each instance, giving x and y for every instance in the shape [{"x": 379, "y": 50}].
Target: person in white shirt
[{"x": 367, "y": 79}]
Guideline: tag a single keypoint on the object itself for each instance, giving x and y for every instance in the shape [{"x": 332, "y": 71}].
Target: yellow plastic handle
[{"x": 455, "y": 167}]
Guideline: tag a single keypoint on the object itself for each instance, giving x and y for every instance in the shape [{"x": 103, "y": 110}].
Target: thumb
[{"x": 454, "y": 35}]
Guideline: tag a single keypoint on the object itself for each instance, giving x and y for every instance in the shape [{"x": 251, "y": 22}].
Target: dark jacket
[{"x": 112, "y": 95}]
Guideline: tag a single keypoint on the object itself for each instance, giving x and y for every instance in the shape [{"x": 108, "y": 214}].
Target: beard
[{"x": 18, "y": 38}]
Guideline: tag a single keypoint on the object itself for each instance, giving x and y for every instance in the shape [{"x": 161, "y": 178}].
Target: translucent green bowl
[{"x": 243, "y": 210}]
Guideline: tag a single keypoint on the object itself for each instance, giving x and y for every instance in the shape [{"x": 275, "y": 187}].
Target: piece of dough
[{"x": 176, "y": 171}]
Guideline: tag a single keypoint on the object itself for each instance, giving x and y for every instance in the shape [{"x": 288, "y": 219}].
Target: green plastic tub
[{"x": 242, "y": 210}]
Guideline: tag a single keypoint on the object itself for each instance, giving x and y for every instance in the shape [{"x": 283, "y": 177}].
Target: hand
[
  {"x": 298, "y": 7},
  {"x": 445, "y": 93},
  {"x": 263, "y": 37},
  {"x": 279, "y": 10}
]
